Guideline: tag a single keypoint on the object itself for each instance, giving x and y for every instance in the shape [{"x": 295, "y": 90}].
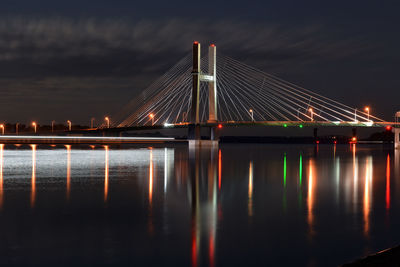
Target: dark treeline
[{"x": 24, "y": 128}]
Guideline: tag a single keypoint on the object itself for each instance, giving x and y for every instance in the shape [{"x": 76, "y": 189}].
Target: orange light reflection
[
  {"x": 33, "y": 180},
  {"x": 310, "y": 194},
  {"x": 151, "y": 178},
  {"x": 388, "y": 183},
  {"x": 367, "y": 194},
  {"x": 106, "y": 175},
  {"x": 250, "y": 204},
  {"x": 68, "y": 170}
]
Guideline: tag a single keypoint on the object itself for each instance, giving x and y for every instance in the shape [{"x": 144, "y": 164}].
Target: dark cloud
[{"x": 89, "y": 67}]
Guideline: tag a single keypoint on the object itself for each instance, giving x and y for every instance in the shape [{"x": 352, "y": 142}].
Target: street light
[
  {"x": 312, "y": 113},
  {"x": 252, "y": 114},
  {"x": 152, "y": 118},
  {"x": 34, "y": 126},
  {"x": 92, "y": 122},
  {"x": 69, "y": 125},
  {"x": 2, "y": 128},
  {"x": 108, "y": 121},
  {"x": 367, "y": 110},
  {"x": 52, "y": 126}
]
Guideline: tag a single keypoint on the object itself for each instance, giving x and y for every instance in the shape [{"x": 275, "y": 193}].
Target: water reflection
[
  {"x": 310, "y": 196},
  {"x": 388, "y": 183},
  {"x": 367, "y": 194},
  {"x": 337, "y": 178},
  {"x": 300, "y": 169},
  {"x": 151, "y": 177},
  {"x": 201, "y": 215},
  {"x": 250, "y": 193},
  {"x": 1, "y": 175},
  {"x": 204, "y": 204},
  {"x": 106, "y": 174},
  {"x": 219, "y": 169},
  {"x": 300, "y": 180},
  {"x": 68, "y": 171},
  {"x": 355, "y": 177},
  {"x": 165, "y": 170},
  {"x": 33, "y": 179}
]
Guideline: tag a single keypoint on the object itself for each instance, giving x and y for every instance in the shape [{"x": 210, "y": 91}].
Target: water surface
[{"x": 239, "y": 205}]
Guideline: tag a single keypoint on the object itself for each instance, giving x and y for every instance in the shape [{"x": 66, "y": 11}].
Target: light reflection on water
[
  {"x": 33, "y": 182},
  {"x": 1, "y": 175},
  {"x": 213, "y": 207}
]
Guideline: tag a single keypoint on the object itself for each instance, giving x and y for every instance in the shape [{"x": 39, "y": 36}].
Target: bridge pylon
[
  {"x": 211, "y": 79},
  {"x": 396, "y": 132}
]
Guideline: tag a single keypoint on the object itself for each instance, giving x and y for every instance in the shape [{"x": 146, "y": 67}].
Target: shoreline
[{"x": 386, "y": 257}]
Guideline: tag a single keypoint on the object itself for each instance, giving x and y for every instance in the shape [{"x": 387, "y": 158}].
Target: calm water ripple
[{"x": 239, "y": 205}]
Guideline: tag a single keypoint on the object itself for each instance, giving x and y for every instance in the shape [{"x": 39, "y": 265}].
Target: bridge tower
[
  {"x": 211, "y": 79},
  {"x": 396, "y": 131}
]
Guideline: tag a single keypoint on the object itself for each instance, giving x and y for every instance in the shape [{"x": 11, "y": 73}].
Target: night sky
[{"x": 75, "y": 60}]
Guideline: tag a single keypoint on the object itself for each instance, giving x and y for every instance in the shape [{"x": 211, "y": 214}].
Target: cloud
[
  {"x": 60, "y": 60},
  {"x": 42, "y": 40}
]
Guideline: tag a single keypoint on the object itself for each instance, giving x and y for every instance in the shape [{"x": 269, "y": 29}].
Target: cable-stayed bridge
[{"x": 214, "y": 90}]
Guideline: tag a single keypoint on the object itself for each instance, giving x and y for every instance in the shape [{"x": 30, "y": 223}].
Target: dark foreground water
[{"x": 240, "y": 205}]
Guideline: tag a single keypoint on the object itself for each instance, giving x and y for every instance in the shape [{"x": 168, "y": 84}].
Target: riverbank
[{"x": 388, "y": 257}]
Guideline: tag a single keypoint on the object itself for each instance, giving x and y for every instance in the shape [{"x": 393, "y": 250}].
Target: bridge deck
[{"x": 254, "y": 123}]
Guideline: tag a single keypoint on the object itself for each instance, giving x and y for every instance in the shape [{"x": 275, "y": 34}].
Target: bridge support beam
[
  {"x": 194, "y": 113},
  {"x": 396, "y": 132},
  {"x": 212, "y": 84},
  {"x": 194, "y": 127}
]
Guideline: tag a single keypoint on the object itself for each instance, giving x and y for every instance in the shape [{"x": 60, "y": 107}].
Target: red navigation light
[
  {"x": 212, "y": 45},
  {"x": 317, "y": 142},
  {"x": 195, "y": 42},
  {"x": 220, "y": 126},
  {"x": 388, "y": 128},
  {"x": 335, "y": 142}
]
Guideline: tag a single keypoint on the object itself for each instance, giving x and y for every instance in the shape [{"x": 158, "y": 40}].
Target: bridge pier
[
  {"x": 315, "y": 134},
  {"x": 194, "y": 132},
  {"x": 213, "y": 133},
  {"x": 396, "y": 132},
  {"x": 396, "y": 138}
]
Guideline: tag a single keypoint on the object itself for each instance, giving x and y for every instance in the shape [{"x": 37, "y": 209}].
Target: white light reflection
[
  {"x": 355, "y": 178},
  {"x": 367, "y": 194},
  {"x": 337, "y": 175},
  {"x": 1, "y": 175},
  {"x": 106, "y": 175},
  {"x": 165, "y": 169}
]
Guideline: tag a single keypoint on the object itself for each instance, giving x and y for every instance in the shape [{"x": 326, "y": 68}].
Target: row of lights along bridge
[
  {"x": 151, "y": 115},
  {"x": 69, "y": 125},
  {"x": 251, "y": 111}
]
